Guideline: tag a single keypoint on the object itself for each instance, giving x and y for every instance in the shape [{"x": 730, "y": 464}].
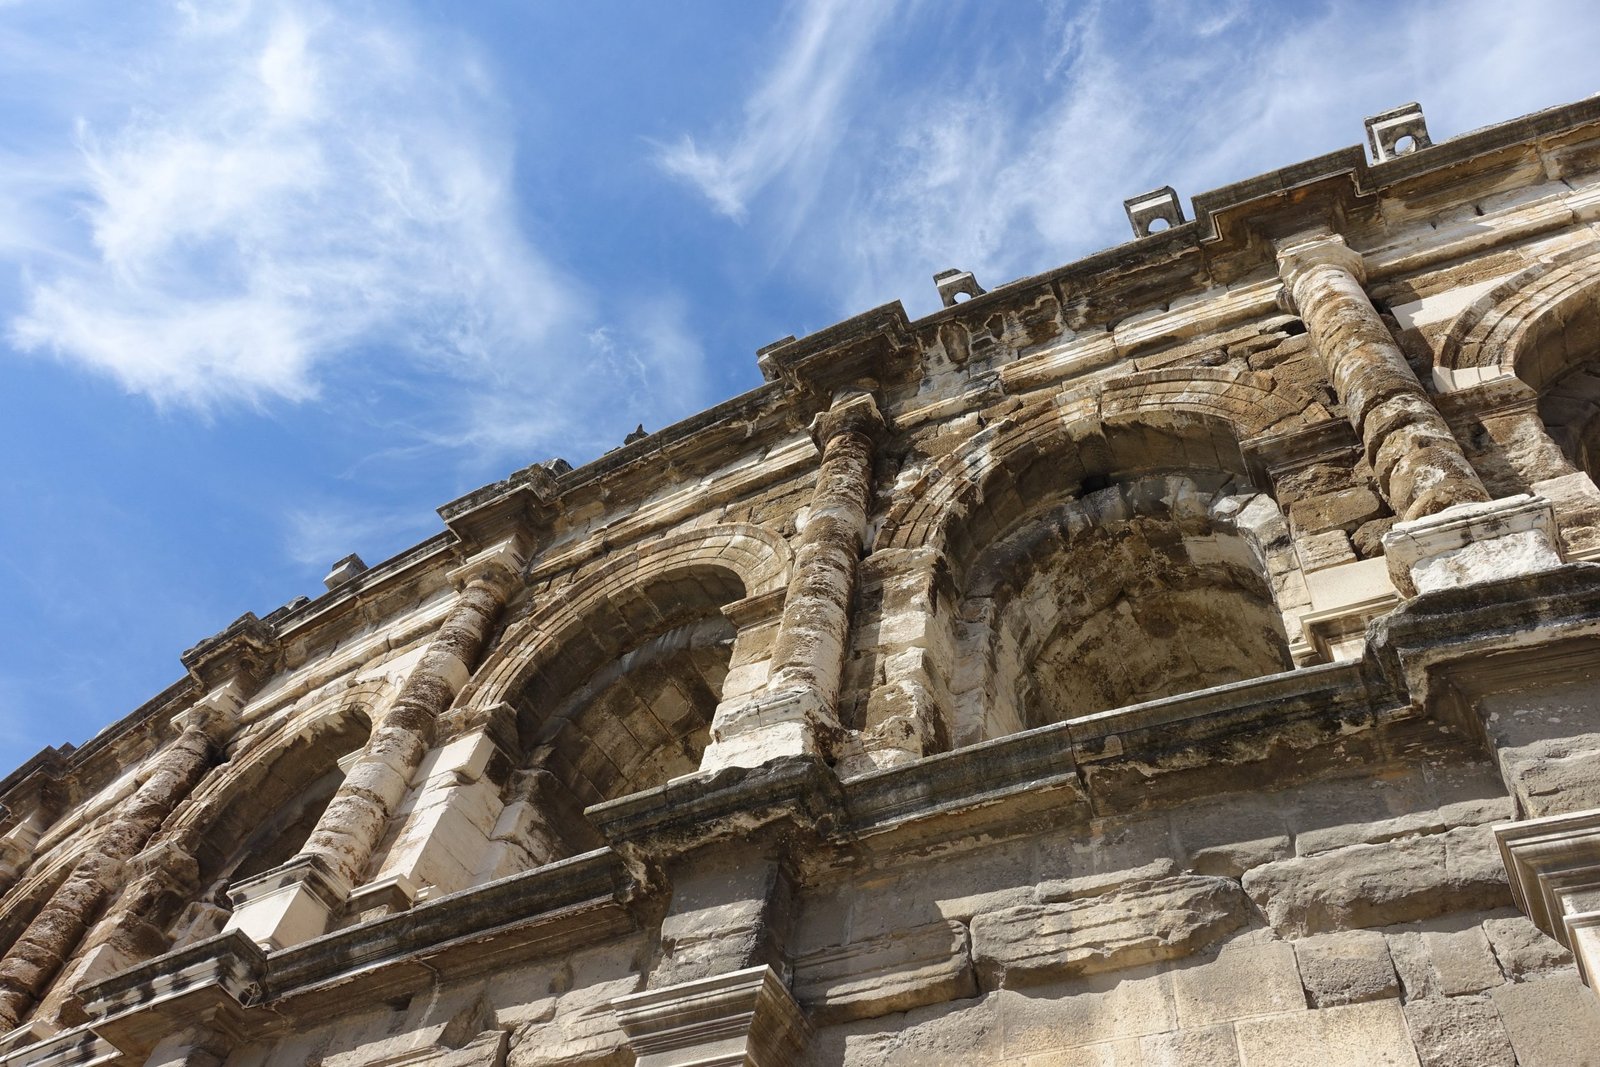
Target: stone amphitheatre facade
[{"x": 1185, "y": 656}]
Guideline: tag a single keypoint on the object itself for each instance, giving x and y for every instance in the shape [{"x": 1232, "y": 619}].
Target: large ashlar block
[
  {"x": 771, "y": 726},
  {"x": 1380, "y": 884},
  {"x": 894, "y": 973},
  {"x": 1089, "y": 1011},
  {"x": 1552, "y": 1022},
  {"x": 1347, "y": 967},
  {"x": 1143, "y": 924},
  {"x": 1356, "y": 1035},
  {"x": 1472, "y": 543},
  {"x": 1245, "y": 980},
  {"x": 1452, "y": 1031}
]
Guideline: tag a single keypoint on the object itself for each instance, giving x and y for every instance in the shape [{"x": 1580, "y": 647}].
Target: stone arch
[
  {"x": 1147, "y": 588},
  {"x": 1149, "y": 425},
  {"x": 1138, "y": 423},
  {"x": 1542, "y": 328},
  {"x": 276, "y": 784},
  {"x": 1503, "y": 329},
  {"x": 615, "y": 672}
]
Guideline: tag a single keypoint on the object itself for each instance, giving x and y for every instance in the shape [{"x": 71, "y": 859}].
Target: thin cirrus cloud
[
  {"x": 259, "y": 198},
  {"x": 1013, "y": 152},
  {"x": 790, "y": 123}
]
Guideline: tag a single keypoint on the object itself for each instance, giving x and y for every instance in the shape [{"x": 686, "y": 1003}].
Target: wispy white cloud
[
  {"x": 1013, "y": 153},
  {"x": 791, "y": 121},
  {"x": 255, "y": 203}
]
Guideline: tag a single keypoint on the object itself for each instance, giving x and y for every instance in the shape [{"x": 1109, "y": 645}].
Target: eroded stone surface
[
  {"x": 1379, "y": 885},
  {"x": 1141, "y": 924}
]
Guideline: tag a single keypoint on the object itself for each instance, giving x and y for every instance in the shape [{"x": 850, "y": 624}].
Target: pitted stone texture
[
  {"x": 893, "y": 973},
  {"x": 1551, "y": 1021},
  {"x": 1444, "y": 962},
  {"x": 1356, "y": 1035},
  {"x": 962, "y": 1032},
  {"x": 1379, "y": 885},
  {"x": 1141, "y": 924},
  {"x": 1093, "y": 1012},
  {"x": 1523, "y": 950},
  {"x": 1450, "y": 1032},
  {"x": 1245, "y": 979},
  {"x": 1350, "y": 967},
  {"x": 1213, "y": 1046}
]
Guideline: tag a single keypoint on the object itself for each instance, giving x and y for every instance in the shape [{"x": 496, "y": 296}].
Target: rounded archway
[{"x": 1141, "y": 590}]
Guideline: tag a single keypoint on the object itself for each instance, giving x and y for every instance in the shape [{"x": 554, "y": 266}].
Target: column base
[
  {"x": 1472, "y": 543},
  {"x": 1554, "y": 867},
  {"x": 745, "y": 1018},
  {"x": 287, "y": 905},
  {"x": 766, "y": 728}
]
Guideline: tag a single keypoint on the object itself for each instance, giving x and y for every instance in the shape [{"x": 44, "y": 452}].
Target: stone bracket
[
  {"x": 1146, "y": 209},
  {"x": 689, "y": 812},
  {"x": 1387, "y": 129},
  {"x": 291, "y": 903}
]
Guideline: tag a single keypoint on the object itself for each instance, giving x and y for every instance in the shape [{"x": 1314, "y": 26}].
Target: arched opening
[
  {"x": 268, "y": 813},
  {"x": 1088, "y": 562},
  {"x": 1569, "y": 407},
  {"x": 616, "y": 699},
  {"x": 1141, "y": 590}
]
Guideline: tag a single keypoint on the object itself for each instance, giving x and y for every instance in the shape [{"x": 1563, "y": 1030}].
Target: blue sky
[{"x": 279, "y": 278}]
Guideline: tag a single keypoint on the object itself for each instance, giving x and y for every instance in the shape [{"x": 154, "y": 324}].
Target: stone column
[
  {"x": 55, "y": 933},
  {"x": 1420, "y": 466},
  {"x": 298, "y": 900},
  {"x": 164, "y": 876},
  {"x": 799, "y": 709}
]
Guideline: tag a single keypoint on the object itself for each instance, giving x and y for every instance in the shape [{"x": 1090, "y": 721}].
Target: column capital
[
  {"x": 852, "y": 411},
  {"x": 1300, "y": 254},
  {"x": 501, "y": 563},
  {"x": 216, "y": 713}
]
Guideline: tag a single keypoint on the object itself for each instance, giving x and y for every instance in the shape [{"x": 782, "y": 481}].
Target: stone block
[
  {"x": 1211, "y": 1046},
  {"x": 1350, "y": 967},
  {"x": 894, "y": 973},
  {"x": 1412, "y": 824},
  {"x": 1523, "y": 950},
  {"x": 1326, "y": 549},
  {"x": 1244, "y": 980},
  {"x": 961, "y": 1032},
  {"x": 1355, "y": 1035},
  {"x": 1106, "y": 1054},
  {"x": 1462, "y": 960},
  {"x": 1451, "y": 1032},
  {"x": 1087, "y": 1011},
  {"x": 1552, "y": 1022},
  {"x": 1232, "y": 836},
  {"x": 1344, "y": 510},
  {"x": 1143, "y": 924},
  {"x": 1379, "y": 885}
]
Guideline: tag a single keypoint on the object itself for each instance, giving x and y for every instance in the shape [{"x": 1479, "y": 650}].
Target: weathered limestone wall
[{"x": 1185, "y": 656}]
